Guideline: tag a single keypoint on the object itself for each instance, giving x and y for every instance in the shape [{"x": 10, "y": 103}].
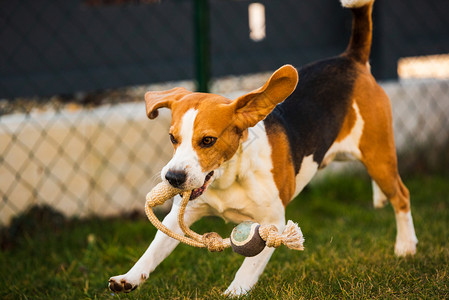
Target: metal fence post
[{"x": 202, "y": 44}]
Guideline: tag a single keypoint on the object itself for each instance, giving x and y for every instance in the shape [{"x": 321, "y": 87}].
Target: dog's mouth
[{"x": 199, "y": 191}]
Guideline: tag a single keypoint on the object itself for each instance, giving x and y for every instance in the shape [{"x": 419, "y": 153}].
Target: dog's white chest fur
[{"x": 244, "y": 188}]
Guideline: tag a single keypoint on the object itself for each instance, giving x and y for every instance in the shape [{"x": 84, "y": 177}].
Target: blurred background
[{"x": 73, "y": 130}]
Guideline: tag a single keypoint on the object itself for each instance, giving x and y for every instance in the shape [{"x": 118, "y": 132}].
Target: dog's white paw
[
  {"x": 127, "y": 282},
  {"x": 406, "y": 238},
  {"x": 236, "y": 291},
  {"x": 405, "y": 247}
]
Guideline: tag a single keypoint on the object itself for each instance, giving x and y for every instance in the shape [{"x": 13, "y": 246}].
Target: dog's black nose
[{"x": 176, "y": 178}]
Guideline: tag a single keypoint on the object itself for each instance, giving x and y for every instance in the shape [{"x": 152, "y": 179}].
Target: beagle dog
[{"x": 246, "y": 159}]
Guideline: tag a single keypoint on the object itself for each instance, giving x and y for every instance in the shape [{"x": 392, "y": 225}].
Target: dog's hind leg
[
  {"x": 399, "y": 197},
  {"x": 378, "y": 154},
  {"x": 379, "y": 158},
  {"x": 159, "y": 249}
]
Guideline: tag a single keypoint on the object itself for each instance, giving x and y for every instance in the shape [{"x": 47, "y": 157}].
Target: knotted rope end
[{"x": 292, "y": 236}]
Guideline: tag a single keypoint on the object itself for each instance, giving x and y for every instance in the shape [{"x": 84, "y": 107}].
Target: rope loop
[{"x": 161, "y": 193}]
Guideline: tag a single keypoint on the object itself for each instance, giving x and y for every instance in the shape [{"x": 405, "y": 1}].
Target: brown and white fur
[{"x": 261, "y": 154}]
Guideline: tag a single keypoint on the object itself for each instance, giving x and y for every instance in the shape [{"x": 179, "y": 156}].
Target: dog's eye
[
  {"x": 172, "y": 139},
  {"x": 208, "y": 141}
]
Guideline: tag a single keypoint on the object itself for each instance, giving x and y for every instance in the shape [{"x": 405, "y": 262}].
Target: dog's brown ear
[
  {"x": 156, "y": 100},
  {"x": 256, "y": 105}
]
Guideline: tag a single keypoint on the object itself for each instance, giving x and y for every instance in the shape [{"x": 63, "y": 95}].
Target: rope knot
[
  {"x": 213, "y": 242},
  {"x": 269, "y": 233}
]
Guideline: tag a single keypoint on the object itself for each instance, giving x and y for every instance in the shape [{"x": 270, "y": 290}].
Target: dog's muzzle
[{"x": 178, "y": 178}]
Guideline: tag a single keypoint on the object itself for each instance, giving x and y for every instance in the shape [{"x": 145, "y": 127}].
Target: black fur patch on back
[{"x": 314, "y": 113}]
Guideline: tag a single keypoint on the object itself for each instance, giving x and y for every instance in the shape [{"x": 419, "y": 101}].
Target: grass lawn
[{"x": 349, "y": 252}]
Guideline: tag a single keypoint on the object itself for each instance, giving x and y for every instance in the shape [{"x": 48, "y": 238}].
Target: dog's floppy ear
[
  {"x": 156, "y": 100},
  {"x": 256, "y": 105}
]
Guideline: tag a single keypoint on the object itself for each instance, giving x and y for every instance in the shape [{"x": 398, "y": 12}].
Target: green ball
[{"x": 245, "y": 239}]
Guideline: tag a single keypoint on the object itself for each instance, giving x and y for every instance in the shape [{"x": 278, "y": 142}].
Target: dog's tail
[{"x": 360, "y": 43}]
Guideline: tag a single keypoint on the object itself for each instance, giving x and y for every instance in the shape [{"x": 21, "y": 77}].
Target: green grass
[{"x": 349, "y": 253}]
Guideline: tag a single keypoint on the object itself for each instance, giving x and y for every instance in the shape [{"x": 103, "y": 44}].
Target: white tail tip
[{"x": 355, "y": 3}]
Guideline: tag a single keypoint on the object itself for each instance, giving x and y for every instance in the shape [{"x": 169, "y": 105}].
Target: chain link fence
[{"x": 73, "y": 129}]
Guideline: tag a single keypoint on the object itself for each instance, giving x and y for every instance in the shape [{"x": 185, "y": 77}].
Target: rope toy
[{"x": 247, "y": 238}]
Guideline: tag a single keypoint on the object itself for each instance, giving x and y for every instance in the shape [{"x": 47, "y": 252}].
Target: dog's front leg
[
  {"x": 252, "y": 267},
  {"x": 158, "y": 250},
  {"x": 249, "y": 272}
]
